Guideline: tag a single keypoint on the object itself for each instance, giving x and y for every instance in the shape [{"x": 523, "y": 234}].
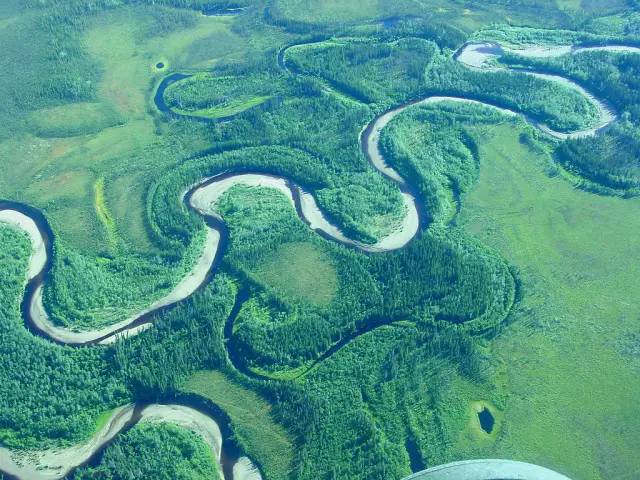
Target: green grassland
[
  {"x": 565, "y": 369},
  {"x": 73, "y": 120},
  {"x": 554, "y": 368}
]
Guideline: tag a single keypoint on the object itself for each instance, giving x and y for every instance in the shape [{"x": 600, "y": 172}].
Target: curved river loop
[{"x": 205, "y": 419}]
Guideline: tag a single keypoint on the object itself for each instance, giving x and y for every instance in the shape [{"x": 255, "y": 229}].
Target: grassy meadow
[
  {"x": 565, "y": 371},
  {"x": 300, "y": 270}
]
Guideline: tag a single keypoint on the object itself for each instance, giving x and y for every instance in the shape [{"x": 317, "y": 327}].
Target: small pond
[{"x": 486, "y": 420}]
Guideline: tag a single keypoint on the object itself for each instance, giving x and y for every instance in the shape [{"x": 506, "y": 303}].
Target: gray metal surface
[{"x": 490, "y": 469}]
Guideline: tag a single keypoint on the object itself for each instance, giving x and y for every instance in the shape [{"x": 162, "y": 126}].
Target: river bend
[{"x": 54, "y": 464}]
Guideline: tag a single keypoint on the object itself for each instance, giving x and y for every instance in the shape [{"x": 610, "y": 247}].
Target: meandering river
[
  {"x": 51, "y": 464},
  {"x": 202, "y": 198}
]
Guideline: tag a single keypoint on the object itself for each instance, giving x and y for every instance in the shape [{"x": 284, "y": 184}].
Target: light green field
[
  {"x": 300, "y": 270},
  {"x": 70, "y": 147},
  {"x": 265, "y": 441},
  {"x": 129, "y": 56},
  {"x": 102, "y": 419},
  {"x": 104, "y": 215},
  {"x": 74, "y": 119},
  {"x": 566, "y": 370}
]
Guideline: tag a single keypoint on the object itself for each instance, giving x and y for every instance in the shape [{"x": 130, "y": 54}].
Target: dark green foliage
[
  {"x": 387, "y": 74},
  {"x": 181, "y": 341},
  {"x": 159, "y": 451},
  {"x": 445, "y": 35},
  {"x": 127, "y": 279},
  {"x": 169, "y": 216},
  {"x": 53, "y": 394},
  {"x": 372, "y": 72},
  {"x": 363, "y": 403},
  {"x": 429, "y": 143},
  {"x": 48, "y": 393},
  {"x": 167, "y": 20},
  {"x": 614, "y": 76},
  {"x": 327, "y": 160},
  {"x": 612, "y": 159}
]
